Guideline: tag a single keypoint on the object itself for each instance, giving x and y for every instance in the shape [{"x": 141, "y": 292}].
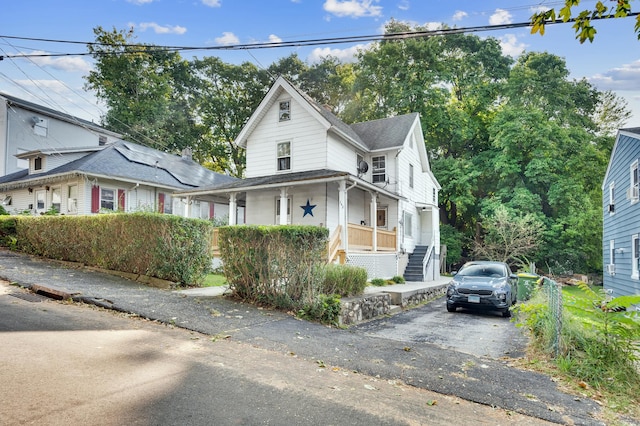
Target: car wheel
[
  {"x": 506, "y": 313},
  {"x": 451, "y": 308}
]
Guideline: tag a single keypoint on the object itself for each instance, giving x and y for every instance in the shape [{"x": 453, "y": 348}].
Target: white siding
[
  {"x": 307, "y": 136},
  {"x": 341, "y": 156}
]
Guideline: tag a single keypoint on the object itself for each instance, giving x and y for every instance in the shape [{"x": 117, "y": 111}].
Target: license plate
[{"x": 473, "y": 298}]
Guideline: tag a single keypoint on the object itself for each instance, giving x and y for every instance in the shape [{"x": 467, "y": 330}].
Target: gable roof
[
  {"x": 126, "y": 161},
  {"x": 633, "y": 132},
  {"x": 12, "y": 100},
  {"x": 386, "y": 133}
]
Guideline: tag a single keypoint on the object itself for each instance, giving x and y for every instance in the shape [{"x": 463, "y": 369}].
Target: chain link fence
[{"x": 553, "y": 291}]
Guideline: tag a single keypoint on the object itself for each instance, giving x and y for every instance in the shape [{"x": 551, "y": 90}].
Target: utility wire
[{"x": 295, "y": 43}]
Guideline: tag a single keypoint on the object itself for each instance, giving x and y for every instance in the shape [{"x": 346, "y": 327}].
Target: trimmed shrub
[
  {"x": 273, "y": 264},
  {"x": 163, "y": 246}
]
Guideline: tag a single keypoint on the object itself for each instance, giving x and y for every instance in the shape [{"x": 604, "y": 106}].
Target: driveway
[{"x": 479, "y": 333}]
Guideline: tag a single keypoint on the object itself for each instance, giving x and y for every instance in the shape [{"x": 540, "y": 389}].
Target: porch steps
[{"x": 413, "y": 271}]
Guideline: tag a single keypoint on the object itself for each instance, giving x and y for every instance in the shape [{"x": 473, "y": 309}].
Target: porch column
[
  {"x": 187, "y": 208},
  {"x": 374, "y": 219},
  {"x": 233, "y": 210},
  {"x": 342, "y": 213},
  {"x": 283, "y": 206}
]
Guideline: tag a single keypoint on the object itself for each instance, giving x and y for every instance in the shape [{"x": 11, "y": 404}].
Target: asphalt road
[
  {"x": 65, "y": 364},
  {"x": 426, "y": 365}
]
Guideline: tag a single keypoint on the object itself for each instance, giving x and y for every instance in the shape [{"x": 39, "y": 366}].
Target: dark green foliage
[
  {"x": 324, "y": 308},
  {"x": 453, "y": 239},
  {"x": 275, "y": 265},
  {"x": 163, "y": 246},
  {"x": 378, "y": 282},
  {"x": 398, "y": 279},
  {"x": 343, "y": 280},
  {"x": 3, "y": 211}
]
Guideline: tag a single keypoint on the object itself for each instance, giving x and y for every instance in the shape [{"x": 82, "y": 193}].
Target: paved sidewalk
[{"x": 494, "y": 382}]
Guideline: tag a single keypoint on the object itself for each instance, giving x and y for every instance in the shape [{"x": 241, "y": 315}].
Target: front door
[{"x": 381, "y": 217}]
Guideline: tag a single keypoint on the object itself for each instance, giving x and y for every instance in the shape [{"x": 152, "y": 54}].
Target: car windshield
[{"x": 493, "y": 271}]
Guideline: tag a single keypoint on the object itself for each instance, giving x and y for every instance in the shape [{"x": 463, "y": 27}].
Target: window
[
  {"x": 359, "y": 160},
  {"x": 379, "y": 169},
  {"x": 40, "y": 126},
  {"x": 612, "y": 198},
  {"x": 410, "y": 175},
  {"x": 56, "y": 199},
  {"x": 284, "y": 156},
  {"x": 102, "y": 140},
  {"x": 107, "y": 199},
  {"x": 278, "y": 210},
  {"x": 284, "y": 112},
  {"x": 633, "y": 189},
  {"x": 433, "y": 196},
  {"x": 408, "y": 224},
  {"x": 40, "y": 200},
  {"x": 37, "y": 163},
  {"x": 381, "y": 218},
  {"x": 611, "y": 266},
  {"x": 72, "y": 199},
  {"x": 635, "y": 256}
]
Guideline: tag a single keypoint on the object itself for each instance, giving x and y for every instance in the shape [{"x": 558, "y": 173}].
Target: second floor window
[
  {"x": 634, "y": 183},
  {"x": 379, "y": 172},
  {"x": 284, "y": 156},
  {"x": 410, "y": 175}
]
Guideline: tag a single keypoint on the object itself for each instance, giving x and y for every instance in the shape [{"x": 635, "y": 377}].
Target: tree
[
  {"x": 583, "y": 20},
  {"x": 144, "y": 89},
  {"x": 508, "y": 237}
]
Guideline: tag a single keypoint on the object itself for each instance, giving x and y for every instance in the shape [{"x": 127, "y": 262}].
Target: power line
[{"x": 281, "y": 44}]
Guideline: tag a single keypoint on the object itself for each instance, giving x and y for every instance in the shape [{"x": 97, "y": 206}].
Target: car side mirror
[{"x": 513, "y": 276}]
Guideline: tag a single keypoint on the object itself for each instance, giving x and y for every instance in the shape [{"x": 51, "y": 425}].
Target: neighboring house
[
  {"x": 25, "y": 126},
  {"x": 621, "y": 211},
  {"x": 369, "y": 183},
  {"x": 120, "y": 176}
]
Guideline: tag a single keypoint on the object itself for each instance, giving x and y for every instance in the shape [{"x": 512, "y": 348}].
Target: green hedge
[
  {"x": 163, "y": 246},
  {"x": 275, "y": 265}
]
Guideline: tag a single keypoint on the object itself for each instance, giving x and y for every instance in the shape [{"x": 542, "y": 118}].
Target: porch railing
[{"x": 360, "y": 239}]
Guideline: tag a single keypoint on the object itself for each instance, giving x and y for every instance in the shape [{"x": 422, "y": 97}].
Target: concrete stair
[{"x": 413, "y": 271}]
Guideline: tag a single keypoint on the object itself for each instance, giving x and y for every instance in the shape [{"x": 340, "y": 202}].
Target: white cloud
[
  {"x": 404, "y": 5},
  {"x": 539, "y": 9},
  {"x": 344, "y": 55},
  {"x": 212, "y": 3},
  {"x": 459, "y": 15},
  {"x": 432, "y": 26},
  {"x": 500, "y": 16},
  {"x": 64, "y": 63},
  {"x": 511, "y": 46},
  {"x": 160, "y": 29},
  {"x": 55, "y": 86},
  {"x": 227, "y": 38},
  {"x": 140, "y": 2},
  {"x": 274, "y": 39},
  {"x": 353, "y": 8},
  {"x": 624, "y": 78}
]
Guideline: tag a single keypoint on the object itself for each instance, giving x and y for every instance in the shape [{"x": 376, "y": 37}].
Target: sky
[{"x": 611, "y": 62}]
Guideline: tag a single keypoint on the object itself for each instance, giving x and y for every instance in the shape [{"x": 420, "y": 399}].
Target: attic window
[
  {"x": 37, "y": 163},
  {"x": 284, "y": 112}
]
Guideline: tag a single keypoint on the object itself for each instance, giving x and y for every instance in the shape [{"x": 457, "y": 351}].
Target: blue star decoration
[{"x": 308, "y": 209}]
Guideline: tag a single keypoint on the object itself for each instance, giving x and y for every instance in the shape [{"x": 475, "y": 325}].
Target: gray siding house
[{"x": 621, "y": 216}]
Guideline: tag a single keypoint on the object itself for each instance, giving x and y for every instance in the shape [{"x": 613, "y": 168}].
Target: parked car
[{"x": 483, "y": 285}]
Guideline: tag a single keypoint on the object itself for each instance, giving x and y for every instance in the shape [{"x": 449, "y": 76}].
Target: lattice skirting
[{"x": 378, "y": 265}]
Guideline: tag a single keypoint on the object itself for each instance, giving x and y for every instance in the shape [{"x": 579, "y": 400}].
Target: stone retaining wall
[
  {"x": 365, "y": 307},
  {"x": 369, "y": 306}
]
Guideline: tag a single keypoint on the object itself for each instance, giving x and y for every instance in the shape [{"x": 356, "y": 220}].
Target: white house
[
  {"x": 53, "y": 161},
  {"x": 25, "y": 126},
  {"x": 369, "y": 183}
]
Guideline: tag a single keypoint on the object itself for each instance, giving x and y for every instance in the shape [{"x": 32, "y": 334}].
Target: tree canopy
[
  {"x": 583, "y": 20},
  {"x": 507, "y": 140}
]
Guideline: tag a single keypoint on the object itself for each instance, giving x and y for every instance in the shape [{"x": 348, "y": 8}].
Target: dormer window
[
  {"x": 37, "y": 163},
  {"x": 284, "y": 112}
]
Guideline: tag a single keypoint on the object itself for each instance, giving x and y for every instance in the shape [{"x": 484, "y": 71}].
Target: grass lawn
[{"x": 214, "y": 280}]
